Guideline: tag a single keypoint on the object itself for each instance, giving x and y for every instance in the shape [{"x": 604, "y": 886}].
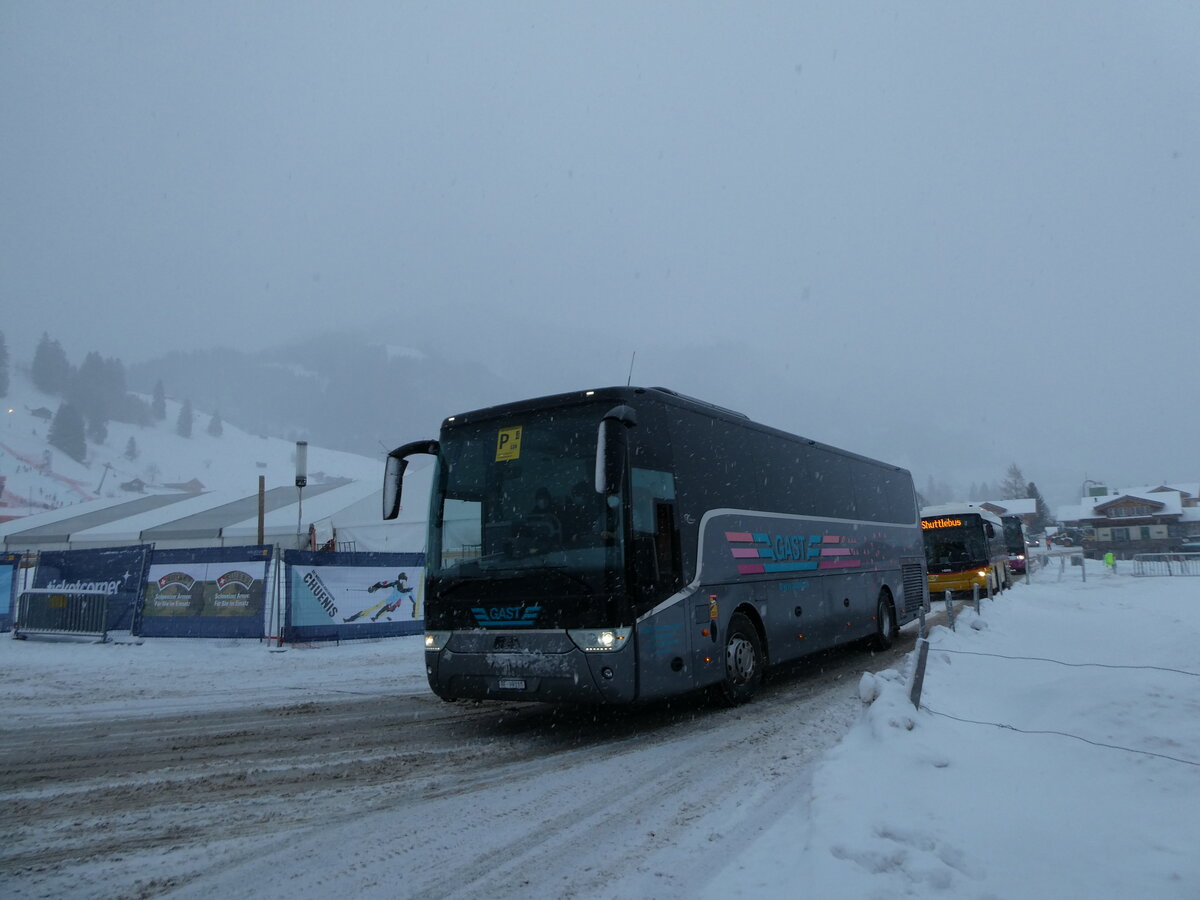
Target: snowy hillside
[{"x": 151, "y": 459}]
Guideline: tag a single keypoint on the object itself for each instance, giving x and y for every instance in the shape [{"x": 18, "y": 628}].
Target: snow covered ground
[{"x": 1056, "y": 754}]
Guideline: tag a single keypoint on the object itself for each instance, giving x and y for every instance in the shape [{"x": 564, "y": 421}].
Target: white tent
[
  {"x": 350, "y": 513},
  {"x": 361, "y": 527}
]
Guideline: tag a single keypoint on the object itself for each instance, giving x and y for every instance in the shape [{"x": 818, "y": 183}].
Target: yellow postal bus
[{"x": 964, "y": 547}]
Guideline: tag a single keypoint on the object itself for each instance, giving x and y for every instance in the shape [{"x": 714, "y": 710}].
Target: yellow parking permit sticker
[{"x": 508, "y": 444}]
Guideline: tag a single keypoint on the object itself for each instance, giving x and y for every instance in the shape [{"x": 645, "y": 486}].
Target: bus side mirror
[
  {"x": 611, "y": 445},
  {"x": 393, "y": 484},
  {"x": 393, "y": 473}
]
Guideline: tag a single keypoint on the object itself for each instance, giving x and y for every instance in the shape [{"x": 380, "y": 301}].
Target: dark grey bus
[{"x": 627, "y": 544}]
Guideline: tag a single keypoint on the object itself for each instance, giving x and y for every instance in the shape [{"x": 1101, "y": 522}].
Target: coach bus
[
  {"x": 964, "y": 548},
  {"x": 1014, "y": 541},
  {"x": 627, "y": 544}
]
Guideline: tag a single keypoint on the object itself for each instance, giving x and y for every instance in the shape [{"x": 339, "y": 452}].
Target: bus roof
[
  {"x": 959, "y": 509},
  {"x": 629, "y": 394}
]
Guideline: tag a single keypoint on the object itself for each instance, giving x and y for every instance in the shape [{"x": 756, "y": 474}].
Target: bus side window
[
  {"x": 656, "y": 546},
  {"x": 666, "y": 544}
]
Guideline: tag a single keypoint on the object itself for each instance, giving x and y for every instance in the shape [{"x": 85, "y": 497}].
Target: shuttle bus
[
  {"x": 627, "y": 544},
  {"x": 964, "y": 547}
]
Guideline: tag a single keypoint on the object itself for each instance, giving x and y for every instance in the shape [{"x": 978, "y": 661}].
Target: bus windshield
[
  {"x": 956, "y": 545},
  {"x": 517, "y": 496},
  {"x": 1014, "y": 534}
]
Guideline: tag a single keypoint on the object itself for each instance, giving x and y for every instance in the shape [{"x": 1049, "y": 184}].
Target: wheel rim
[
  {"x": 885, "y": 621},
  {"x": 740, "y": 658}
]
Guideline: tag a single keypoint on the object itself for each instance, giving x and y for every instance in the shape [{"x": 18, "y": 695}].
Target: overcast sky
[{"x": 949, "y": 235}]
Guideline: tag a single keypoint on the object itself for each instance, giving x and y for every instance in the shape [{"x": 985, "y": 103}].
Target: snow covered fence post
[
  {"x": 922, "y": 633},
  {"x": 975, "y": 599},
  {"x": 950, "y": 608},
  {"x": 919, "y": 676}
]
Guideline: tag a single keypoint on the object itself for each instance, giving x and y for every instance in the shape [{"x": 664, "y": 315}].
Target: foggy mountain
[
  {"x": 354, "y": 392},
  {"x": 368, "y": 390},
  {"x": 337, "y": 390}
]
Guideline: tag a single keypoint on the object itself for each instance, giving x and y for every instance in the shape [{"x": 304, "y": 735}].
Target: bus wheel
[
  {"x": 743, "y": 662},
  {"x": 885, "y": 623}
]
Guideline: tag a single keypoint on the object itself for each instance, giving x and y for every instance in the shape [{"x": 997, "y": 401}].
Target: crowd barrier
[
  {"x": 1166, "y": 564},
  {"x": 46, "y": 611}
]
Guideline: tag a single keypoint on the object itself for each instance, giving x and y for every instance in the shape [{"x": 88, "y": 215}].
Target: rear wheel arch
[
  {"x": 885, "y": 620},
  {"x": 743, "y": 658}
]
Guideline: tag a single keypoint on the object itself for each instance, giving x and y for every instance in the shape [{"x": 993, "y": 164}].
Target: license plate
[{"x": 512, "y": 684}]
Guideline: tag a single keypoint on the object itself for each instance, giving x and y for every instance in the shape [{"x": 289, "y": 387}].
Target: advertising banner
[
  {"x": 341, "y": 596},
  {"x": 120, "y": 571},
  {"x": 209, "y": 592},
  {"x": 8, "y": 588}
]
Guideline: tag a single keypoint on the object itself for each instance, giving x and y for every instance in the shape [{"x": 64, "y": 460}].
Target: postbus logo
[
  {"x": 927, "y": 524},
  {"x": 506, "y": 616}
]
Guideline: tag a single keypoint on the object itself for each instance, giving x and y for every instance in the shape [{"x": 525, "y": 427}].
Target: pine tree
[
  {"x": 215, "y": 427},
  {"x": 87, "y": 392},
  {"x": 66, "y": 432},
  {"x": 1042, "y": 517},
  {"x": 158, "y": 406},
  {"x": 183, "y": 425},
  {"x": 51, "y": 371},
  {"x": 3, "y": 366},
  {"x": 131, "y": 449},
  {"x": 1013, "y": 486}
]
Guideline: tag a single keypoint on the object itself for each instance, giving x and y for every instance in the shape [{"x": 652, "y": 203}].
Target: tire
[
  {"x": 744, "y": 662},
  {"x": 885, "y": 623}
]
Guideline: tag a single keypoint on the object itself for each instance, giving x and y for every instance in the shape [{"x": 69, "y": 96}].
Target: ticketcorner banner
[
  {"x": 209, "y": 592},
  {"x": 118, "y": 571},
  {"x": 342, "y": 596}
]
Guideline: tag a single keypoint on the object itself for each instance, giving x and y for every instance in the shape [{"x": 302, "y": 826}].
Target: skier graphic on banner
[{"x": 399, "y": 591}]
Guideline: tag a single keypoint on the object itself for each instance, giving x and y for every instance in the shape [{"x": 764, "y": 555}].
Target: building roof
[
  {"x": 1168, "y": 500},
  {"x": 1024, "y": 506}
]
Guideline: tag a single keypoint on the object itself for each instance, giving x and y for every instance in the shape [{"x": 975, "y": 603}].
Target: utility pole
[{"x": 301, "y": 481}]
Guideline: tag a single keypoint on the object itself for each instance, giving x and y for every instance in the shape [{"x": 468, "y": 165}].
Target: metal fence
[
  {"x": 48, "y": 611},
  {"x": 1166, "y": 564}
]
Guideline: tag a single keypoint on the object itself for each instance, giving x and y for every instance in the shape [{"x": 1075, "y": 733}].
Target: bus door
[{"x": 656, "y": 576}]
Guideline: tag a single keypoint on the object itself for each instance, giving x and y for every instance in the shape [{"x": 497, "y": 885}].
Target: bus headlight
[
  {"x": 436, "y": 640},
  {"x": 599, "y": 640}
]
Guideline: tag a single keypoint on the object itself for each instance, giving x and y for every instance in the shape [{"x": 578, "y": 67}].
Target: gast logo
[{"x": 506, "y": 616}]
